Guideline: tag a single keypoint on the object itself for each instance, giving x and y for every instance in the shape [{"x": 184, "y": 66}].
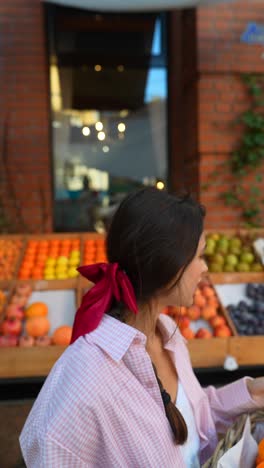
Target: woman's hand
[{"x": 256, "y": 390}]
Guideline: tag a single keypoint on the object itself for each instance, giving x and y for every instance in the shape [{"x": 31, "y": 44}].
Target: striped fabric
[{"x": 101, "y": 406}]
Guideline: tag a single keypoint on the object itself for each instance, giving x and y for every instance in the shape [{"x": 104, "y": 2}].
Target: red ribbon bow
[{"x": 110, "y": 282}]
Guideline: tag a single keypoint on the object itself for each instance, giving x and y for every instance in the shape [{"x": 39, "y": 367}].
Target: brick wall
[
  {"x": 222, "y": 97},
  {"x": 25, "y": 163},
  {"x": 25, "y": 180}
]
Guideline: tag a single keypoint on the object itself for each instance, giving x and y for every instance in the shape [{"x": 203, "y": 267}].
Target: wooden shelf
[{"x": 204, "y": 353}]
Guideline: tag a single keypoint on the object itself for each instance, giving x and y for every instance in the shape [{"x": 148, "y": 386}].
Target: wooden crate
[
  {"x": 4, "y": 283},
  {"x": 35, "y": 361},
  {"x": 248, "y": 350},
  {"x": 237, "y": 277}
]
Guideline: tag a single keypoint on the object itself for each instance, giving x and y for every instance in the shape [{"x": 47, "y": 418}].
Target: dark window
[{"x": 108, "y": 87}]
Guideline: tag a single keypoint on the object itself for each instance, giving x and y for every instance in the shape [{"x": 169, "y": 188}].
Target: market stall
[{"x": 224, "y": 327}]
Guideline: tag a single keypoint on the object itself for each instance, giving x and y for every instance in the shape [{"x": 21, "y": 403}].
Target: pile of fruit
[
  {"x": 260, "y": 457},
  {"x": 50, "y": 259},
  {"x": 205, "y": 306},
  {"x": 248, "y": 317},
  {"x": 231, "y": 253},
  {"x": 94, "y": 251},
  {"x": 28, "y": 326},
  {"x": 9, "y": 254},
  {"x": 2, "y": 301}
]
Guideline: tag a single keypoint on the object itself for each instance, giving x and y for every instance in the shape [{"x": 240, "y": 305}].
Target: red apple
[
  {"x": 6, "y": 341},
  {"x": 217, "y": 321},
  {"x": 43, "y": 341},
  {"x": 23, "y": 289},
  {"x": 223, "y": 331},
  {"x": 14, "y": 311},
  {"x": 19, "y": 300},
  {"x": 11, "y": 326},
  {"x": 203, "y": 333},
  {"x": 26, "y": 341}
]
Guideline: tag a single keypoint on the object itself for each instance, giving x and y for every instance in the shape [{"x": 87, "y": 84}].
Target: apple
[
  {"x": 43, "y": 340},
  {"x": 14, "y": 311},
  {"x": 11, "y": 326},
  {"x": 223, "y": 331},
  {"x": 24, "y": 289},
  {"x": 26, "y": 341},
  {"x": 19, "y": 300},
  {"x": 217, "y": 321},
  {"x": 6, "y": 341},
  {"x": 203, "y": 333}
]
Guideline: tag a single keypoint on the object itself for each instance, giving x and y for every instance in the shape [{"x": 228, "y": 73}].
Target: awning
[{"x": 134, "y": 5}]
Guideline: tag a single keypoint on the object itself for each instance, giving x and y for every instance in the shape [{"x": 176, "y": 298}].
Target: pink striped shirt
[{"x": 101, "y": 405}]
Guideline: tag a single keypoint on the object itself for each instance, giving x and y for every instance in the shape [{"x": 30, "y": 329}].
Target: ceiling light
[
  {"x": 105, "y": 149},
  {"x": 121, "y": 127},
  {"x": 86, "y": 131},
  {"x": 160, "y": 185},
  {"x": 101, "y": 136},
  {"x": 99, "y": 126},
  {"x": 97, "y": 68},
  {"x": 123, "y": 113}
]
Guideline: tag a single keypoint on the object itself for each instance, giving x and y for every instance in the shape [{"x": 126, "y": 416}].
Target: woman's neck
[{"x": 146, "y": 322}]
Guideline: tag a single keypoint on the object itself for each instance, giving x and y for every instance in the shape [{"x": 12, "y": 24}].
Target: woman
[{"x": 123, "y": 394}]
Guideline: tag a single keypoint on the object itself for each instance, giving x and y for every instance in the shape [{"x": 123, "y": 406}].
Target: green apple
[
  {"x": 247, "y": 258},
  {"x": 256, "y": 267},
  {"x": 215, "y": 236},
  {"x": 215, "y": 267},
  {"x": 229, "y": 268},
  {"x": 235, "y": 250},
  {"x": 243, "y": 267},
  {"x": 246, "y": 249},
  {"x": 222, "y": 249},
  {"x": 218, "y": 258},
  {"x": 235, "y": 242},
  {"x": 231, "y": 260}
]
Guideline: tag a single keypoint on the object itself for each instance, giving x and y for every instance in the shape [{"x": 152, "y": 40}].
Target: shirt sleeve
[
  {"x": 52, "y": 454},
  {"x": 229, "y": 402}
]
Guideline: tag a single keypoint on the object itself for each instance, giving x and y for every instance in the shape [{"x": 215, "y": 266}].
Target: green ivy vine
[{"x": 249, "y": 155}]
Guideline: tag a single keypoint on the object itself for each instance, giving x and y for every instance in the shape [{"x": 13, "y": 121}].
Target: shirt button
[{"x": 149, "y": 384}]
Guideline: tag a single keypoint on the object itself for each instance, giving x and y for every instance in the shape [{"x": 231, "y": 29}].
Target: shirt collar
[
  {"x": 169, "y": 331},
  {"x": 115, "y": 337}
]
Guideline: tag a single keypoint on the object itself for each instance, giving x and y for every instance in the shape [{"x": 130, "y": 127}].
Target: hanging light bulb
[
  {"x": 121, "y": 127},
  {"x": 86, "y": 131},
  {"x": 101, "y": 136},
  {"x": 99, "y": 126}
]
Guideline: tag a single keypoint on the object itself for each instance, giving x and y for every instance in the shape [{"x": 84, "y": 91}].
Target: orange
[
  {"x": 260, "y": 465},
  {"x": 208, "y": 312},
  {"x": 208, "y": 291},
  {"x": 199, "y": 300},
  {"x": 37, "y": 326},
  {"x": 37, "y": 309},
  {"x": 62, "y": 335},
  {"x": 261, "y": 450}
]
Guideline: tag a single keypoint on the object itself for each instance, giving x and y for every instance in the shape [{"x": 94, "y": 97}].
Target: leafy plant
[{"x": 249, "y": 155}]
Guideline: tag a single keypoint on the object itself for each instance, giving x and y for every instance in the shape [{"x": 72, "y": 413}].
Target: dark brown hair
[{"x": 153, "y": 237}]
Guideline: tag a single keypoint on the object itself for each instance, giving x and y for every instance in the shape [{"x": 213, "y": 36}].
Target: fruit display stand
[
  {"x": 18, "y": 362},
  {"x": 247, "y": 350}
]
